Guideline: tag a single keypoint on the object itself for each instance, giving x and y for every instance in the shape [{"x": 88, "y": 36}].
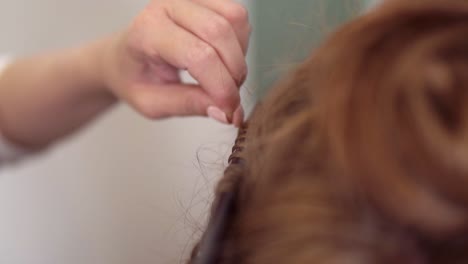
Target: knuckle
[
  {"x": 238, "y": 14},
  {"x": 216, "y": 28},
  {"x": 200, "y": 54}
]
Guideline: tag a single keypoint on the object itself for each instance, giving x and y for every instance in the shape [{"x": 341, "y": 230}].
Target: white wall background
[{"x": 124, "y": 191}]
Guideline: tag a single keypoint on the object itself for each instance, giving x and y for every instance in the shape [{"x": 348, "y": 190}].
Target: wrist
[
  {"x": 93, "y": 63},
  {"x": 116, "y": 64}
]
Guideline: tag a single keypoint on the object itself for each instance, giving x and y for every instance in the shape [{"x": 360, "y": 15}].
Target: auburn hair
[{"x": 360, "y": 155}]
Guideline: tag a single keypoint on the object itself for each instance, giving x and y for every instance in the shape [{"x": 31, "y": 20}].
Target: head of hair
[{"x": 361, "y": 154}]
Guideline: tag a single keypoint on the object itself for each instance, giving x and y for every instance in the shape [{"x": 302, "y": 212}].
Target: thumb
[{"x": 170, "y": 100}]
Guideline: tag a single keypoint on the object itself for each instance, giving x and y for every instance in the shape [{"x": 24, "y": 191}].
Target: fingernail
[{"x": 216, "y": 113}]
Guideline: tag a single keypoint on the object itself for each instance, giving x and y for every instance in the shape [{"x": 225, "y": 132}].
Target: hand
[{"x": 208, "y": 38}]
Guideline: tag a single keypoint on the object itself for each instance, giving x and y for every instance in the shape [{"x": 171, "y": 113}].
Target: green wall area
[{"x": 285, "y": 32}]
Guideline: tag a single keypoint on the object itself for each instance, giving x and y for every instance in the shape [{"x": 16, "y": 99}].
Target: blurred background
[{"x": 127, "y": 190}]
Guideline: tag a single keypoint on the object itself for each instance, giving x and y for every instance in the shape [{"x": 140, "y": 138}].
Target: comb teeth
[
  {"x": 211, "y": 244},
  {"x": 235, "y": 157},
  {"x": 237, "y": 149}
]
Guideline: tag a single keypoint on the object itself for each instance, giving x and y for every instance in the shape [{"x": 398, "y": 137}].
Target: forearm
[{"x": 46, "y": 97}]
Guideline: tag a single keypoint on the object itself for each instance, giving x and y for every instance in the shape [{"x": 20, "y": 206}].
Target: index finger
[
  {"x": 186, "y": 51},
  {"x": 236, "y": 14}
]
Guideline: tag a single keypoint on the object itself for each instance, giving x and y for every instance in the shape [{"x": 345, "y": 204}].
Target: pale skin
[{"x": 46, "y": 97}]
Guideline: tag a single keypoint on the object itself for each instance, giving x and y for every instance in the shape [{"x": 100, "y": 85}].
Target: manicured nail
[{"x": 216, "y": 113}]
